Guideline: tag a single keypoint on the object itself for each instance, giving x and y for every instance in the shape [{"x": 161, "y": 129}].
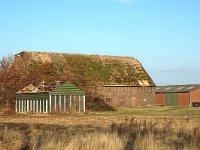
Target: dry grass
[
  {"x": 131, "y": 133},
  {"x": 104, "y": 130}
]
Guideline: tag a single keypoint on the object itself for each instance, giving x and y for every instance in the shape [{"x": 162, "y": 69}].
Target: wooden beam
[{"x": 83, "y": 103}]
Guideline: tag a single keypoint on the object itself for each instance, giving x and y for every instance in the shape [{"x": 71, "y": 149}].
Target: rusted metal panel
[
  {"x": 160, "y": 99},
  {"x": 195, "y": 96},
  {"x": 183, "y": 99}
]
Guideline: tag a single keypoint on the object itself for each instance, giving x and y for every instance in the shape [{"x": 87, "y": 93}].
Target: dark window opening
[
  {"x": 108, "y": 100},
  {"x": 196, "y": 104}
]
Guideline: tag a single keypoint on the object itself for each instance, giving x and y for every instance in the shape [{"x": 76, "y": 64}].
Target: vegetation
[
  {"x": 164, "y": 128},
  {"x": 13, "y": 78}
]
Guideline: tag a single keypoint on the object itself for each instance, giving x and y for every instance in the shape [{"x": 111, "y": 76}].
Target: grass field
[{"x": 127, "y": 128}]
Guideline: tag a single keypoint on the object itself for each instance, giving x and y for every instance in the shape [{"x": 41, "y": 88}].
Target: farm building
[
  {"x": 178, "y": 95},
  {"x": 51, "y": 97},
  {"x": 128, "y": 96},
  {"x": 121, "y": 81}
]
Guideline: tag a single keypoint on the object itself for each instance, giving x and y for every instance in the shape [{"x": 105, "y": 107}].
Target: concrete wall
[{"x": 128, "y": 96}]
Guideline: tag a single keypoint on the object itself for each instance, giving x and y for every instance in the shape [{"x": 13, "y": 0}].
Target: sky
[{"x": 164, "y": 35}]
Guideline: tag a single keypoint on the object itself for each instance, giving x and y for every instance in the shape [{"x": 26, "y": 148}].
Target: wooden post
[
  {"x": 50, "y": 103},
  {"x": 34, "y": 105},
  {"x": 27, "y": 105},
  {"x": 64, "y": 103},
  {"x": 16, "y": 105},
  {"x": 83, "y": 103},
  {"x": 60, "y": 103},
  {"x": 70, "y": 102}
]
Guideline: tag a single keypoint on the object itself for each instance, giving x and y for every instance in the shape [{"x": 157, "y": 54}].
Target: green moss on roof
[
  {"x": 104, "y": 69},
  {"x": 68, "y": 89}
]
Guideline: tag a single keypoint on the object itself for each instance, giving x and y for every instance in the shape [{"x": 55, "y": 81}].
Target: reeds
[{"x": 132, "y": 133}]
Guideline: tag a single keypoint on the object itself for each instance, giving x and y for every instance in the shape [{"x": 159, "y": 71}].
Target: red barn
[{"x": 178, "y": 95}]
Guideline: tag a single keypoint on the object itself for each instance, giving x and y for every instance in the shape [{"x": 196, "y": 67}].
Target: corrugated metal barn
[
  {"x": 178, "y": 95},
  {"x": 51, "y": 97}
]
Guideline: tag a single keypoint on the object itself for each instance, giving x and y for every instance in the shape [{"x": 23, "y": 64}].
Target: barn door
[
  {"x": 133, "y": 101},
  {"x": 171, "y": 99}
]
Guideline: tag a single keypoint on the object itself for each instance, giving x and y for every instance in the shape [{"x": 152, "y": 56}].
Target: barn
[
  {"x": 178, "y": 95},
  {"x": 121, "y": 81},
  {"x": 50, "y": 97}
]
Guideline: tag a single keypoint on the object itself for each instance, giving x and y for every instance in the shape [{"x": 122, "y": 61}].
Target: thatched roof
[{"x": 115, "y": 70}]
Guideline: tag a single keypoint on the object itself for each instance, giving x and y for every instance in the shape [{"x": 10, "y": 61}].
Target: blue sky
[{"x": 164, "y": 35}]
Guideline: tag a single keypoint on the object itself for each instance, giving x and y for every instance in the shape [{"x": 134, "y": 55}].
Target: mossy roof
[{"x": 113, "y": 70}]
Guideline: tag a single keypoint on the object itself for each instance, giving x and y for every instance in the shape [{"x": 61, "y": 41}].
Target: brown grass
[
  {"x": 166, "y": 128},
  {"x": 131, "y": 133}
]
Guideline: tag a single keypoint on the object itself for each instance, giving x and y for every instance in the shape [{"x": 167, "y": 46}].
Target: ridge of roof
[
  {"x": 177, "y": 88},
  {"x": 63, "y": 53}
]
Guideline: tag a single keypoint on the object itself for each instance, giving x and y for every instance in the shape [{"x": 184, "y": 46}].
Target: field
[{"x": 127, "y": 128}]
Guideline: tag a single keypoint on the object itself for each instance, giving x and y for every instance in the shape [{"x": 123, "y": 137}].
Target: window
[
  {"x": 196, "y": 104},
  {"x": 108, "y": 100}
]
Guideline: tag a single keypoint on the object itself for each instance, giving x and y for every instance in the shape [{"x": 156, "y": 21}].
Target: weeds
[{"x": 131, "y": 133}]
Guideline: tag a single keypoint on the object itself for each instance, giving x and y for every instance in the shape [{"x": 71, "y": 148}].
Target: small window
[
  {"x": 108, "y": 100},
  {"x": 196, "y": 104}
]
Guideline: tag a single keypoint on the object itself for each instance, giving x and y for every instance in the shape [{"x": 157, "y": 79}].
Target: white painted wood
[
  {"x": 70, "y": 102},
  {"x": 50, "y": 103},
  {"x": 64, "y": 103},
  {"x": 83, "y": 103},
  {"x": 16, "y": 105},
  {"x": 60, "y": 103},
  {"x": 27, "y": 105},
  {"x": 31, "y": 105}
]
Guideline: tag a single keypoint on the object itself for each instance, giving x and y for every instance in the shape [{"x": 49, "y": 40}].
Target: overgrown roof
[
  {"x": 115, "y": 70},
  {"x": 177, "y": 88}
]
